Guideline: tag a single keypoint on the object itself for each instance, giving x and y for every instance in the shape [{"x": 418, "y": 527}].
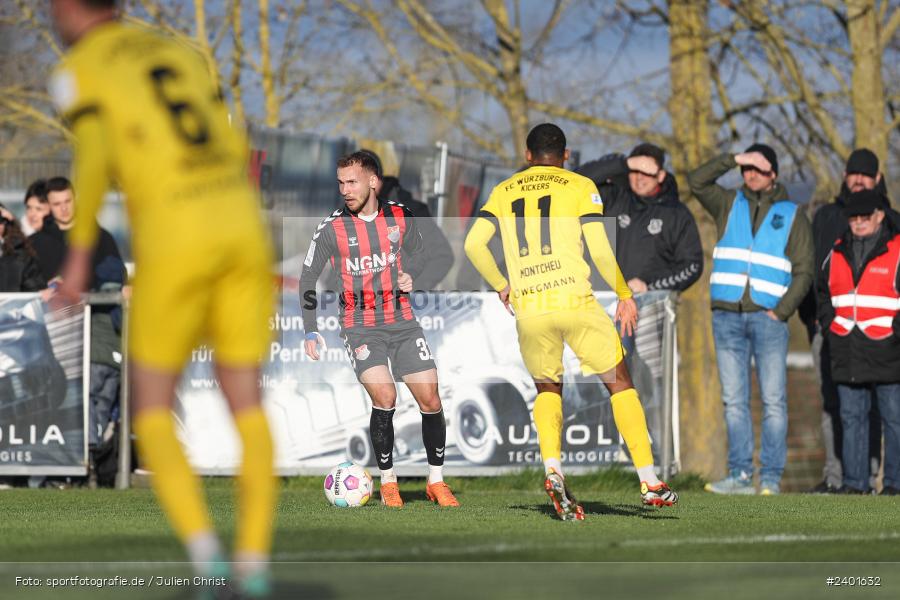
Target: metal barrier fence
[
  {"x": 18, "y": 173},
  {"x": 487, "y": 403}
]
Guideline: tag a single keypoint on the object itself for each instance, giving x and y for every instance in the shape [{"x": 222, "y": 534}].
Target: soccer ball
[{"x": 348, "y": 485}]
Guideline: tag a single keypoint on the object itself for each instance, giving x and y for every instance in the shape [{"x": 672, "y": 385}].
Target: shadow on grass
[{"x": 601, "y": 508}]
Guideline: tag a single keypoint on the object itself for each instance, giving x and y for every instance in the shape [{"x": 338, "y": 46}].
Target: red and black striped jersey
[{"x": 366, "y": 257}]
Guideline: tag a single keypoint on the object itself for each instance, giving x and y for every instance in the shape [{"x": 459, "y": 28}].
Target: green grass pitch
[{"x": 504, "y": 542}]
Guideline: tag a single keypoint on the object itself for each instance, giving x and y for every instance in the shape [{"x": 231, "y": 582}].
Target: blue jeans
[
  {"x": 738, "y": 336},
  {"x": 856, "y": 401},
  {"x": 104, "y": 393}
]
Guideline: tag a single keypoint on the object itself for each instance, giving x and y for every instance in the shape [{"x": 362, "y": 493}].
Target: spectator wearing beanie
[
  {"x": 859, "y": 313},
  {"x": 830, "y": 224},
  {"x": 762, "y": 268}
]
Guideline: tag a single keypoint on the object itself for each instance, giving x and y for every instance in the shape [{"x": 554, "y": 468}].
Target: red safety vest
[{"x": 871, "y": 305}]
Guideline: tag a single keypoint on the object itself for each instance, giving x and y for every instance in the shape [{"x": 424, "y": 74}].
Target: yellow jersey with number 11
[{"x": 539, "y": 213}]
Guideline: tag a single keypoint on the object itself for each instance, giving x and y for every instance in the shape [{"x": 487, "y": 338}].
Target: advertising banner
[
  {"x": 319, "y": 413},
  {"x": 43, "y": 410}
]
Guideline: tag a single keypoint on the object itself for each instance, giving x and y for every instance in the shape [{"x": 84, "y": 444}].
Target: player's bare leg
[
  {"x": 548, "y": 419},
  {"x": 424, "y": 388},
  {"x": 177, "y": 489},
  {"x": 257, "y": 485},
  {"x": 381, "y": 388},
  {"x": 632, "y": 425}
]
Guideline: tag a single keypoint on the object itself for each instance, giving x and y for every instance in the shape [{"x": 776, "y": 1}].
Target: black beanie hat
[
  {"x": 768, "y": 152},
  {"x": 864, "y": 161}
]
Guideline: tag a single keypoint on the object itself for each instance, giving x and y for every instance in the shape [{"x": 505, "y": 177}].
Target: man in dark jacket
[
  {"x": 830, "y": 224},
  {"x": 657, "y": 242},
  {"x": 657, "y": 245},
  {"x": 51, "y": 242},
  {"x": 108, "y": 274},
  {"x": 762, "y": 269},
  {"x": 859, "y": 307},
  {"x": 437, "y": 255}
]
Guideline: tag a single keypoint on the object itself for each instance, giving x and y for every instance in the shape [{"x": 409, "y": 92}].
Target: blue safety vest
[{"x": 741, "y": 258}]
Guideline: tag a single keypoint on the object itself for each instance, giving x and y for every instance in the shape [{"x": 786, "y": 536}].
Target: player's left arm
[
  {"x": 413, "y": 249},
  {"x": 591, "y": 216}
]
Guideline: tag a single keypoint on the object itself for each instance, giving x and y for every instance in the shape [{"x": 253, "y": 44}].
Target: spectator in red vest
[{"x": 859, "y": 307}]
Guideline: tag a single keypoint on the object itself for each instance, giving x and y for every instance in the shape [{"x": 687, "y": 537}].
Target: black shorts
[{"x": 404, "y": 350}]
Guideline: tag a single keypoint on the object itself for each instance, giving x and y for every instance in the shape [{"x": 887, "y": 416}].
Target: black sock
[
  {"x": 434, "y": 436},
  {"x": 381, "y": 432}
]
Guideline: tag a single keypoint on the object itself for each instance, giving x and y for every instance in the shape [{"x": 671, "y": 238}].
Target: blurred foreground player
[
  {"x": 542, "y": 214},
  {"x": 145, "y": 112}
]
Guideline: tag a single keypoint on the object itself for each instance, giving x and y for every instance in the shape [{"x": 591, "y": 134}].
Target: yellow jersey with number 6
[
  {"x": 147, "y": 114},
  {"x": 167, "y": 138}
]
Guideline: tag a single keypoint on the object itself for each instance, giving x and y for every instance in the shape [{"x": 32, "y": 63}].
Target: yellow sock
[
  {"x": 177, "y": 488},
  {"x": 548, "y": 419},
  {"x": 631, "y": 423},
  {"x": 257, "y": 486}
]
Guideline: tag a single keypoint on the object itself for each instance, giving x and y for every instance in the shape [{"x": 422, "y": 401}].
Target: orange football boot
[
  {"x": 390, "y": 495},
  {"x": 440, "y": 492}
]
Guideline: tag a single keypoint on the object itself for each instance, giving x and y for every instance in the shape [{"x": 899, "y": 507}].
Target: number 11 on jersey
[{"x": 518, "y": 209}]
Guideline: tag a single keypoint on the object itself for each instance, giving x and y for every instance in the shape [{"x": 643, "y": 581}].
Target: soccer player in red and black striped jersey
[{"x": 373, "y": 246}]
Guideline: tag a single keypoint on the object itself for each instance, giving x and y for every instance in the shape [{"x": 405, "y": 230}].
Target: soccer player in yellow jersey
[
  {"x": 145, "y": 112},
  {"x": 542, "y": 214}
]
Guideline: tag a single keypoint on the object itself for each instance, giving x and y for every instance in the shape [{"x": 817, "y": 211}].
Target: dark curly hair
[{"x": 14, "y": 238}]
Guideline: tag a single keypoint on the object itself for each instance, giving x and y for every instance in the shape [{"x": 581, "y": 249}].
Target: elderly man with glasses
[
  {"x": 859, "y": 313},
  {"x": 829, "y": 223}
]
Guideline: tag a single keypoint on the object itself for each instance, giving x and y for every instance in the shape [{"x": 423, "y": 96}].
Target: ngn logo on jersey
[{"x": 373, "y": 263}]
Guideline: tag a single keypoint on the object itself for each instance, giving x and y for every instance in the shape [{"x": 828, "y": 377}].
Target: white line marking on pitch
[{"x": 373, "y": 553}]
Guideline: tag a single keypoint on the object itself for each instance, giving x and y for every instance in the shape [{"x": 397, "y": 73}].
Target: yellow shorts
[
  {"x": 218, "y": 294},
  {"x": 588, "y": 331}
]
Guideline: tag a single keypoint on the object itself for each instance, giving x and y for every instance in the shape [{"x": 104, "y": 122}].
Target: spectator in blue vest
[{"x": 762, "y": 268}]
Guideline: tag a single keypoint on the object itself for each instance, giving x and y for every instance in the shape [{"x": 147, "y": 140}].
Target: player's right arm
[
  {"x": 713, "y": 197},
  {"x": 321, "y": 249},
  {"x": 476, "y": 245}
]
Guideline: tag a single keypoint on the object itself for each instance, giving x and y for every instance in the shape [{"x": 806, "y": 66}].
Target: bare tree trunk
[
  {"x": 515, "y": 98},
  {"x": 203, "y": 38},
  {"x": 200, "y": 22},
  {"x": 867, "y": 90},
  {"x": 690, "y": 109},
  {"x": 268, "y": 78},
  {"x": 237, "y": 61}
]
